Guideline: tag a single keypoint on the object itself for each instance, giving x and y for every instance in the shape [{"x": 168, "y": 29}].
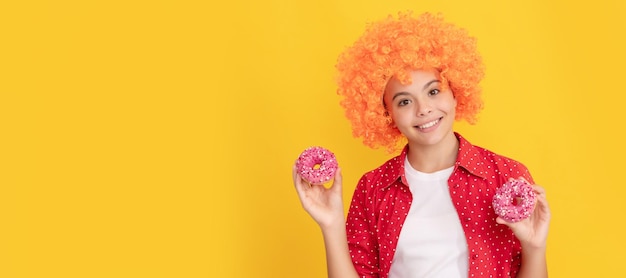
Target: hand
[
  {"x": 325, "y": 205},
  {"x": 532, "y": 232}
]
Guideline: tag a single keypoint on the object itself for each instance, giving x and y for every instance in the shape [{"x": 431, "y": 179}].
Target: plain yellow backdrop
[{"x": 156, "y": 138}]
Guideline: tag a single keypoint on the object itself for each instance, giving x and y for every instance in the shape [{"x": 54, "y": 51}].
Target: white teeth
[{"x": 427, "y": 125}]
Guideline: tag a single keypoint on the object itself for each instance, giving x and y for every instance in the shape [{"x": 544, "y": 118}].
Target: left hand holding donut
[{"x": 532, "y": 232}]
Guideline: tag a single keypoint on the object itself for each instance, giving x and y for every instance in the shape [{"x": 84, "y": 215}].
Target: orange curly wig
[{"x": 392, "y": 48}]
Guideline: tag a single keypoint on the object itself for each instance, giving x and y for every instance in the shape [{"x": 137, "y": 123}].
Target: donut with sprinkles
[
  {"x": 514, "y": 201},
  {"x": 317, "y": 165}
]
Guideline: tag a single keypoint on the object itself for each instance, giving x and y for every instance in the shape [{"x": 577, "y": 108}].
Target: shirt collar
[{"x": 467, "y": 158}]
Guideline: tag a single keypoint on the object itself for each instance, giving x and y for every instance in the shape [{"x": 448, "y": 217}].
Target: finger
[
  {"x": 542, "y": 203},
  {"x": 294, "y": 173},
  {"x": 542, "y": 199},
  {"x": 539, "y": 190},
  {"x": 298, "y": 182},
  {"x": 337, "y": 181},
  {"x": 296, "y": 177},
  {"x": 499, "y": 220},
  {"x": 524, "y": 179}
]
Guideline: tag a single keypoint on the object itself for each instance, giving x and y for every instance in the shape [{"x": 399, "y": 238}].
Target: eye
[
  {"x": 433, "y": 92},
  {"x": 403, "y": 102}
]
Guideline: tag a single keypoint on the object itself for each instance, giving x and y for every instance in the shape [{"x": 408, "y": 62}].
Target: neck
[{"x": 432, "y": 158}]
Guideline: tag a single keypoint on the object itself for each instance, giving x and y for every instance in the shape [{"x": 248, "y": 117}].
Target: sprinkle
[
  {"x": 317, "y": 165},
  {"x": 514, "y": 201}
]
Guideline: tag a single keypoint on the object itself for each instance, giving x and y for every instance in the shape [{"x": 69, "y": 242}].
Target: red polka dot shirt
[{"x": 382, "y": 199}]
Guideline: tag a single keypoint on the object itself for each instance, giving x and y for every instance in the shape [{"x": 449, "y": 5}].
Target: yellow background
[{"x": 156, "y": 138}]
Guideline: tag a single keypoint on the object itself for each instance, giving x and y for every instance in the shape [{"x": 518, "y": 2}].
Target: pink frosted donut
[
  {"x": 514, "y": 201},
  {"x": 316, "y": 165}
]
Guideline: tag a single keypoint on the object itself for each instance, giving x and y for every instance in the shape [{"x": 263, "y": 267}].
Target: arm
[
  {"x": 325, "y": 205},
  {"x": 532, "y": 234},
  {"x": 338, "y": 261}
]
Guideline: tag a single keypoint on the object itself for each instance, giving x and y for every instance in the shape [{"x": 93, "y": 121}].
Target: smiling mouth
[{"x": 429, "y": 124}]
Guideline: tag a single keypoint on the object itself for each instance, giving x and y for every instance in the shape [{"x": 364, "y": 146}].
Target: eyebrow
[{"x": 423, "y": 88}]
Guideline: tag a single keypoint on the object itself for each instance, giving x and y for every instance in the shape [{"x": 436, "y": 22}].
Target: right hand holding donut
[
  {"x": 532, "y": 232},
  {"x": 325, "y": 205}
]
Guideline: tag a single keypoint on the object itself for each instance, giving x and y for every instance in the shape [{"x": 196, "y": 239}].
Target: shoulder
[
  {"x": 500, "y": 165},
  {"x": 385, "y": 174},
  {"x": 489, "y": 156}
]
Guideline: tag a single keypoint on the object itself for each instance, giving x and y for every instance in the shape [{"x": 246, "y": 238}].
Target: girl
[{"x": 426, "y": 212}]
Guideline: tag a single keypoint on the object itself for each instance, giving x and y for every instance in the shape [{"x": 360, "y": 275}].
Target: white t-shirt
[{"x": 432, "y": 242}]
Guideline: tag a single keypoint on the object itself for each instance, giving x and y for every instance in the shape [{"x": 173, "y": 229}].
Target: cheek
[
  {"x": 397, "y": 117},
  {"x": 453, "y": 104},
  {"x": 453, "y": 108}
]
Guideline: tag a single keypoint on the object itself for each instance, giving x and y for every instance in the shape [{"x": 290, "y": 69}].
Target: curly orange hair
[{"x": 392, "y": 48}]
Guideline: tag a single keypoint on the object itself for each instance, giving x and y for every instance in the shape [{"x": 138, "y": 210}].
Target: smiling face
[{"x": 422, "y": 110}]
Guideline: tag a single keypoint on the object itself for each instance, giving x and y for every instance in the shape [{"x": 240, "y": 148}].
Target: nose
[{"x": 424, "y": 107}]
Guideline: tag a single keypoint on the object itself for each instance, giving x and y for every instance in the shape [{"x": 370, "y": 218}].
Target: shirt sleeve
[{"x": 360, "y": 229}]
